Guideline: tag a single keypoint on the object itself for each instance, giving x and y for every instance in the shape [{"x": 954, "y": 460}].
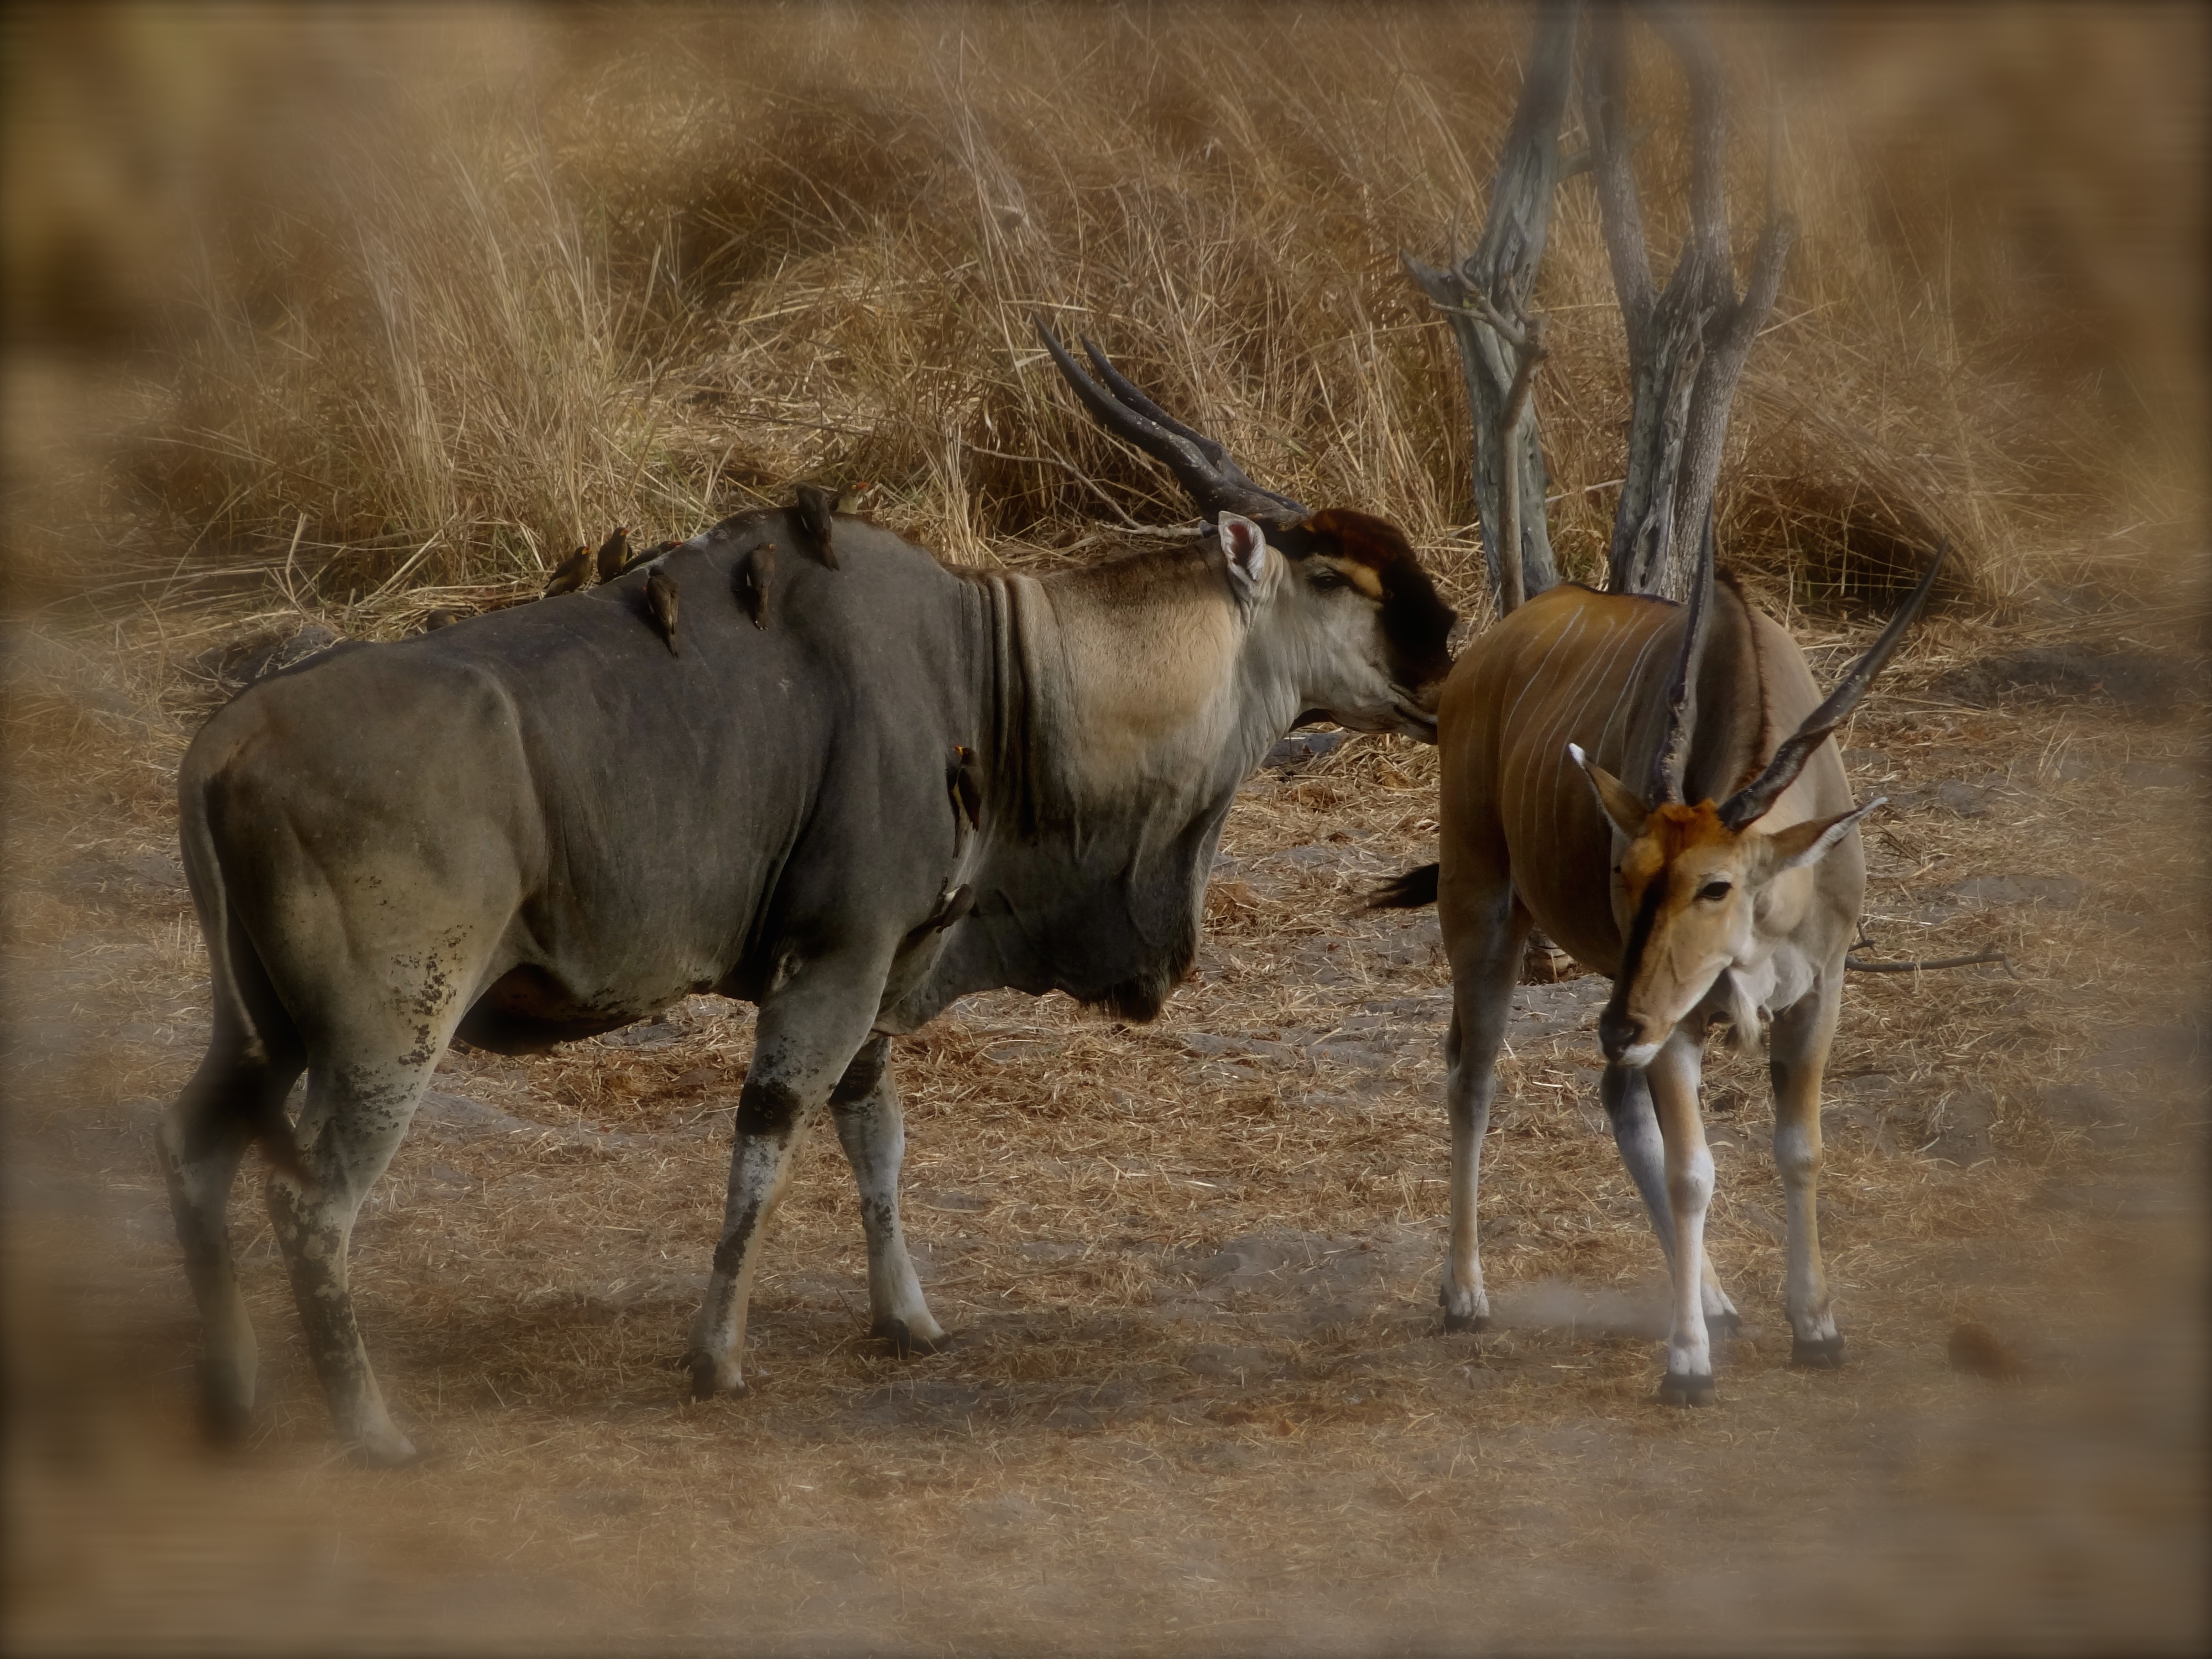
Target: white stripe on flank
[
  {"x": 1621, "y": 700},
  {"x": 1566, "y": 635},
  {"x": 1563, "y": 724}
]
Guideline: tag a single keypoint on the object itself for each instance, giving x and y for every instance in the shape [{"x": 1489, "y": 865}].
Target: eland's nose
[{"x": 1618, "y": 1031}]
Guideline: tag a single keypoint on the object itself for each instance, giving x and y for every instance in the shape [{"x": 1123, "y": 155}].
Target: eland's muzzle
[{"x": 1620, "y": 1036}]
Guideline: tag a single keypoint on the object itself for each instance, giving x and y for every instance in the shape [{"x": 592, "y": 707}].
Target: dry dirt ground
[{"x": 1201, "y": 1399}]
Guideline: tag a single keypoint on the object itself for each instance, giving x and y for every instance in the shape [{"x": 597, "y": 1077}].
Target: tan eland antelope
[{"x": 1701, "y": 913}]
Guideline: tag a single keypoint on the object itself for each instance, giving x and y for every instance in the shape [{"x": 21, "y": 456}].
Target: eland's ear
[
  {"x": 1244, "y": 545},
  {"x": 1801, "y": 844},
  {"x": 1628, "y": 814}
]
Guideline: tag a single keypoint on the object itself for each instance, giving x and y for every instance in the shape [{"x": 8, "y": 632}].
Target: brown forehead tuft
[
  {"x": 1678, "y": 829},
  {"x": 1669, "y": 832}
]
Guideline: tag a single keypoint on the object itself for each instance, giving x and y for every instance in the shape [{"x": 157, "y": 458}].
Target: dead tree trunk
[
  {"x": 1686, "y": 344},
  {"x": 1484, "y": 298}
]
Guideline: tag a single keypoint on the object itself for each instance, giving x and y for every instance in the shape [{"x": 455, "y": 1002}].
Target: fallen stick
[{"x": 1860, "y": 965}]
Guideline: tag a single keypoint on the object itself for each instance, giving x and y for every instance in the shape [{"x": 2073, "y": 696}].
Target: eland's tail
[{"x": 1411, "y": 891}]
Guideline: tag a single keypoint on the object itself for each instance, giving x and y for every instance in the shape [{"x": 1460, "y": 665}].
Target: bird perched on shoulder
[
  {"x": 613, "y": 554},
  {"x": 964, "y": 782},
  {"x": 951, "y": 907},
  {"x": 660, "y": 601},
  {"x": 754, "y": 576},
  {"x": 816, "y": 508},
  {"x": 645, "y": 555},
  {"x": 440, "y": 617},
  {"x": 575, "y": 570}
]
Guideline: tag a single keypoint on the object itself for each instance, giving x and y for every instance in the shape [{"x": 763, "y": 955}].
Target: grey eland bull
[
  {"x": 1699, "y": 913},
  {"x": 896, "y": 784}
]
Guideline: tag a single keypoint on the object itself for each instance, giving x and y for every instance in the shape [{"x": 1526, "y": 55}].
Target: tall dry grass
[{"x": 433, "y": 298}]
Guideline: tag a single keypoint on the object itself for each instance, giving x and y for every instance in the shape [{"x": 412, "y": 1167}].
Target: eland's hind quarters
[
  {"x": 911, "y": 783},
  {"x": 1701, "y": 914}
]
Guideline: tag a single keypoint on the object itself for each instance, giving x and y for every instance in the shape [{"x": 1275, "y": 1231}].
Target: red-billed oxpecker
[
  {"x": 660, "y": 606},
  {"x": 613, "y": 556},
  {"x": 574, "y": 574},
  {"x": 1723, "y": 882}
]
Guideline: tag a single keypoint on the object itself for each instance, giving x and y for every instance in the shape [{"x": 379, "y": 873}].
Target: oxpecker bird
[
  {"x": 754, "y": 576},
  {"x": 575, "y": 570},
  {"x": 646, "y": 555},
  {"x": 614, "y": 553},
  {"x": 817, "y": 508},
  {"x": 951, "y": 906},
  {"x": 440, "y": 617},
  {"x": 661, "y": 600},
  {"x": 965, "y": 784}
]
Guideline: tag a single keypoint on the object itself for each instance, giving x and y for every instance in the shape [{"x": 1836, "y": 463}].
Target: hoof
[
  {"x": 1724, "y": 1324},
  {"x": 904, "y": 1343},
  {"x": 1822, "y": 1354},
  {"x": 1456, "y": 1323},
  {"x": 224, "y": 1418},
  {"x": 703, "y": 1384},
  {"x": 1685, "y": 1390},
  {"x": 388, "y": 1450}
]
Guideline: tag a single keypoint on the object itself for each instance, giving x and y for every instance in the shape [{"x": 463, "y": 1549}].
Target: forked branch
[
  {"x": 1484, "y": 299},
  {"x": 1688, "y": 344}
]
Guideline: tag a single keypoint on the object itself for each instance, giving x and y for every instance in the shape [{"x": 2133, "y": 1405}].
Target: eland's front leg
[
  {"x": 809, "y": 1032},
  {"x": 1798, "y": 1054},
  {"x": 1627, "y": 1097},
  {"x": 872, "y": 1130},
  {"x": 1674, "y": 1075}
]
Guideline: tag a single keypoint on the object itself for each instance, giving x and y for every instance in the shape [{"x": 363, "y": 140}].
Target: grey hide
[{"x": 538, "y": 825}]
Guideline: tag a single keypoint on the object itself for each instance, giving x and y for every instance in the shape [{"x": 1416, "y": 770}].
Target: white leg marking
[{"x": 872, "y": 1130}]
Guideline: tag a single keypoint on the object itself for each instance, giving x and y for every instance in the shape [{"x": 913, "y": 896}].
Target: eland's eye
[
  {"x": 1713, "y": 892},
  {"x": 1325, "y": 581}
]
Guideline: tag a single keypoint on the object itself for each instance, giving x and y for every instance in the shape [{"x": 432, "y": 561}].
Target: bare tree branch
[
  {"x": 1687, "y": 346},
  {"x": 1513, "y": 593},
  {"x": 1575, "y": 163},
  {"x": 1605, "y": 98},
  {"x": 1476, "y": 306},
  {"x": 1484, "y": 299}
]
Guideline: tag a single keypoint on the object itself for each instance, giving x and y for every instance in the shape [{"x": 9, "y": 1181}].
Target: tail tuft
[{"x": 1414, "y": 890}]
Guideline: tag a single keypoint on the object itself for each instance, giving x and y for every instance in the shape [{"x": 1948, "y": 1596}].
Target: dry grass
[
  {"x": 446, "y": 297},
  {"x": 407, "y": 308}
]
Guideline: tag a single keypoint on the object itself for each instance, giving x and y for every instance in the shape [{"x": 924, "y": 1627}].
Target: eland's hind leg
[
  {"x": 362, "y": 1094},
  {"x": 1485, "y": 934},
  {"x": 240, "y": 1085},
  {"x": 872, "y": 1130}
]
